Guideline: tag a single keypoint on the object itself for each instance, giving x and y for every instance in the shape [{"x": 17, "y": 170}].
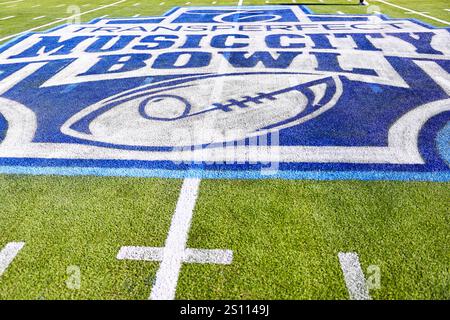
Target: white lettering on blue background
[{"x": 346, "y": 93}]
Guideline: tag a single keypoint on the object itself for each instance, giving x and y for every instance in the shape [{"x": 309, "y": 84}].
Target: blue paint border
[{"x": 244, "y": 175}]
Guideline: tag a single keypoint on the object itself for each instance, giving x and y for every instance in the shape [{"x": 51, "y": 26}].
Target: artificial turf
[{"x": 285, "y": 235}]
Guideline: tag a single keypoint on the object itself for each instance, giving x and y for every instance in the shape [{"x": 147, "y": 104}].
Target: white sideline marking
[
  {"x": 37, "y": 18},
  {"x": 353, "y": 275},
  {"x": 8, "y": 253},
  {"x": 175, "y": 252},
  {"x": 8, "y": 17},
  {"x": 413, "y": 11},
  {"x": 408, "y": 12},
  {"x": 61, "y": 20}
]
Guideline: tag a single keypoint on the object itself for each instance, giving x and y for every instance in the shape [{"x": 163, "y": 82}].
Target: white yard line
[
  {"x": 8, "y": 2},
  {"x": 61, "y": 20},
  {"x": 413, "y": 11},
  {"x": 167, "y": 275},
  {"x": 8, "y": 253},
  {"x": 353, "y": 276}
]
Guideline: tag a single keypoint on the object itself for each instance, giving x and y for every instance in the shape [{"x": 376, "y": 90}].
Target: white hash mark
[
  {"x": 353, "y": 275},
  {"x": 175, "y": 253}
]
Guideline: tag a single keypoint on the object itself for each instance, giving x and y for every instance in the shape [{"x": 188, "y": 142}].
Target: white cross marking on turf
[
  {"x": 8, "y": 253},
  {"x": 353, "y": 275},
  {"x": 175, "y": 252}
]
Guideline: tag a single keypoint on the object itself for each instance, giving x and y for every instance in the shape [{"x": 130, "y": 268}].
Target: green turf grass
[
  {"x": 82, "y": 221},
  {"x": 285, "y": 234},
  {"x": 25, "y": 12}
]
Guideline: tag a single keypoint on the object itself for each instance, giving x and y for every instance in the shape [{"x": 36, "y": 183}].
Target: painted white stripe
[
  {"x": 215, "y": 256},
  {"x": 140, "y": 253},
  {"x": 240, "y": 3},
  {"x": 8, "y": 253},
  {"x": 7, "y": 2},
  {"x": 408, "y": 12},
  {"x": 61, "y": 20},
  {"x": 37, "y": 18},
  {"x": 413, "y": 11},
  {"x": 353, "y": 275},
  {"x": 208, "y": 256},
  {"x": 167, "y": 275},
  {"x": 8, "y": 17}
]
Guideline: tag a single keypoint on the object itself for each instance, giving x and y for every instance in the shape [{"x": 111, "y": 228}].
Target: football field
[{"x": 68, "y": 233}]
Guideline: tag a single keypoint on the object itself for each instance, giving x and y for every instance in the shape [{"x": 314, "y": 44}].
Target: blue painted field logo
[{"x": 226, "y": 92}]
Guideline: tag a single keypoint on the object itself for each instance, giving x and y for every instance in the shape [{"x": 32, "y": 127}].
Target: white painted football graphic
[{"x": 189, "y": 113}]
